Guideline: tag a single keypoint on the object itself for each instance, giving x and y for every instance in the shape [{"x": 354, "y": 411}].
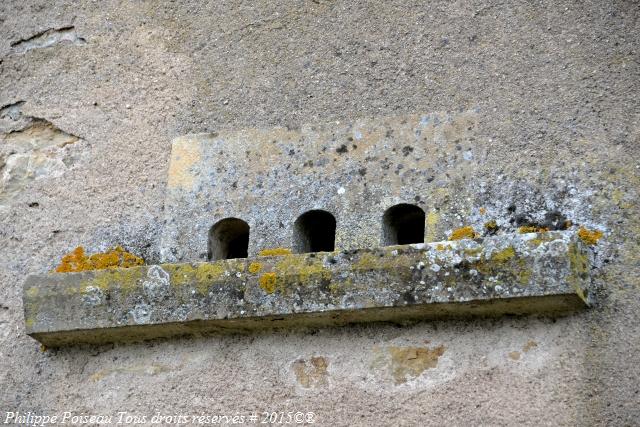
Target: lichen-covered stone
[{"x": 516, "y": 273}]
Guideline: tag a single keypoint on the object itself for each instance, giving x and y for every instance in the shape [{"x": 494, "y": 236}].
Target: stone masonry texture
[
  {"x": 532, "y": 273},
  {"x": 92, "y": 94}
]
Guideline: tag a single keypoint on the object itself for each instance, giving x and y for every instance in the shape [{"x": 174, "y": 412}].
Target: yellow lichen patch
[
  {"x": 117, "y": 257},
  {"x": 311, "y": 373},
  {"x": 254, "y": 267},
  {"x": 32, "y": 292},
  {"x": 441, "y": 247},
  {"x": 334, "y": 287},
  {"x": 300, "y": 269},
  {"x": 482, "y": 211},
  {"x": 185, "y": 153},
  {"x": 514, "y": 355},
  {"x": 579, "y": 269},
  {"x": 207, "y": 274},
  {"x": 268, "y": 282},
  {"x": 524, "y": 275},
  {"x": 590, "y": 237},
  {"x": 130, "y": 260},
  {"x": 366, "y": 261},
  {"x": 535, "y": 242},
  {"x": 504, "y": 255},
  {"x": 491, "y": 226},
  {"x": 125, "y": 279},
  {"x": 181, "y": 274},
  {"x": 275, "y": 252},
  {"x": 412, "y": 361},
  {"x": 532, "y": 229},
  {"x": 466, "y": 232},
  {"x": 431, "y": 227}
]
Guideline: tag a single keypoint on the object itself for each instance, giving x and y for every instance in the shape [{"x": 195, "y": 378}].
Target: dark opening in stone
[
  {"x": 314, "y": 231},
  {"x": 403, "y": 224},
  {"x": 228, "y": 238}
]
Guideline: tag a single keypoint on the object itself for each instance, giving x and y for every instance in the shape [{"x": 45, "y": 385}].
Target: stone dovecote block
[
  {"x": 509, "y": 273},
  {"x": 268, "y": 178}
]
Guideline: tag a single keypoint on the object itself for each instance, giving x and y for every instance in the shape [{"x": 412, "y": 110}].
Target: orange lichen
[
  {"x": 590, "y": 237},
  {"x": 268, "y": 282},
  {"x": 532, "y": 229},
  {"x": 254, "y": 267},
  {"x": 483, "y": 211},
  {"x": 275, "y": 252},
  {"x": 117, "y": 257},
  {"x": 466, "y": 232}
]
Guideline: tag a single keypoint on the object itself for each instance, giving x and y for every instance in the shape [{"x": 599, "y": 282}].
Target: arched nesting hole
[
  {"x": 403, "y": 224},
  {"x": 314, "y": 231},
  {"x": 228, "y": 238}
]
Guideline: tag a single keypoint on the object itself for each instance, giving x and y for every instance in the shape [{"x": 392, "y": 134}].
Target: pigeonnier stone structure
[{"x": 350, "y": 213}]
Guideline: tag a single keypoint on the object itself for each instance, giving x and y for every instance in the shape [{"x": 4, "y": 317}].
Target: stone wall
[{"x": 92, "y": 93}]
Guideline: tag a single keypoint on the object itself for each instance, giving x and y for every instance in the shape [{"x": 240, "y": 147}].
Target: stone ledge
[{"x": 545, "y": 273}]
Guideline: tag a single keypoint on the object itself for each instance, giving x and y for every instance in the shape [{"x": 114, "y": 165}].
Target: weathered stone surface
[
  {"x": 556, "y": 86},
  {"x": 30, "y": 148},
  {"x": 269, "y": 177},
  {"x": 517, "y": 274}
]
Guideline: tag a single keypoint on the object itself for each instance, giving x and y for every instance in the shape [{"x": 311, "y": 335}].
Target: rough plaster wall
[{"x": 104, "y": 86}]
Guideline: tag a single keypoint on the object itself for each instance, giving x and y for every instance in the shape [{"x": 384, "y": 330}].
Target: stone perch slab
[{"x": 505, "y": 274}]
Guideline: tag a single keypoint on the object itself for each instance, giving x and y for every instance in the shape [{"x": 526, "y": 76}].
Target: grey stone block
[{"x": 504, "y": 274}]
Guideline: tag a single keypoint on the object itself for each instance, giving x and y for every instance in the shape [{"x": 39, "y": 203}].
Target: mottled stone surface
[
  {"x": 508, "y": 274},
  {"x": 269, "y": 177},
  {"x": 555, "y": 84}
]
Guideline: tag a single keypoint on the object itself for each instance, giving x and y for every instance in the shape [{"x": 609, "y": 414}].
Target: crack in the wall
[{"x": 47, "y": 38}]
